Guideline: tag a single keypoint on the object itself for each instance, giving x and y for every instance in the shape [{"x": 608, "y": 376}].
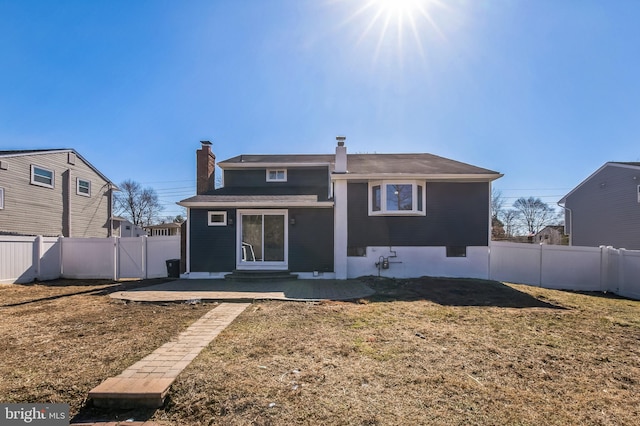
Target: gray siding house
[
  {"x": 326, "y": 215},
  {"x": 53, "y": 192},
  {"x": 605, "y": 208}
]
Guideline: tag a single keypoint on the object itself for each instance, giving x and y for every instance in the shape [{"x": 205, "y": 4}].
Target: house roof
[
  {"x": 22, "y": 152},
  {"x": 367, "y": 165},
  {"x": 630, "y": 164}
]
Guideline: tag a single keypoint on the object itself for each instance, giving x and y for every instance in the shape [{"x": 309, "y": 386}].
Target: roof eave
[
  {"x": 255, "y": 204},
  {"x": 59, "y": 151},
  {"x": 465, "y": 177},
  {"x": 260, "y": 165}
]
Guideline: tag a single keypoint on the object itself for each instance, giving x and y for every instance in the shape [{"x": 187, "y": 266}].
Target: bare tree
[
  {"x": 140, "y": 205},
  {"x": 535, "y": 214},
  {"x": 497, "y": 203},
  {"x": 510, "y": 219}
]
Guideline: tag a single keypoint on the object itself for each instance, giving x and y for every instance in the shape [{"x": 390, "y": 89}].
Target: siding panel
[
  {"x": 457, "y": 214},
  {"x": 605, "y": 209},
  {"x": 311, "y": 240},
  {"x": 35, "y": 210},
  {"x": 301, "y": 181},
  {"x": 212, "y": 248}
]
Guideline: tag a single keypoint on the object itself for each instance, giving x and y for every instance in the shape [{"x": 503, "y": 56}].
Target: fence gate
[{"x": 131, "y": 258}]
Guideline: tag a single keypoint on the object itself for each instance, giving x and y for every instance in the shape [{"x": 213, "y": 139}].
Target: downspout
[
  {"x": 570, "y": 230},
  {"x": 490, "y": 234},
  {"x": 187, "y": 268}
]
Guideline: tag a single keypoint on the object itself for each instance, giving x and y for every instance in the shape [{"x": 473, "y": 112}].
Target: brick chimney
[
  {"x": 341, "y": 155},
  {"x": 205, "y": 168}
]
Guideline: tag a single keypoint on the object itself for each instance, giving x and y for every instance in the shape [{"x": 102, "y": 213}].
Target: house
[
  {"x": 53, "y": 192},
  {"x": 339, "y": 215},
  {"x": 163, "y": 229},
  {"x": 604, "y": 209},
  {"x": 550, "y": 234},
  {"x": 123, "y": 227}
]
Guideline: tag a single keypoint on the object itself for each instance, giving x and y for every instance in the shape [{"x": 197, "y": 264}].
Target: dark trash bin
[{"x": 173, "y": 268}]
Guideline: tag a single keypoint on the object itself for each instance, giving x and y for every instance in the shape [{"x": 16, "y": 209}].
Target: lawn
[{"x": 423, "y": 351}]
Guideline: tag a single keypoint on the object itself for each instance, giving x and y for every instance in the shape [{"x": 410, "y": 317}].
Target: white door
[{"x": 262, "y": 239}]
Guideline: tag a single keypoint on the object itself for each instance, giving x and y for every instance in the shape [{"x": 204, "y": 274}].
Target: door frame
[{"x": 262, "y": 265}]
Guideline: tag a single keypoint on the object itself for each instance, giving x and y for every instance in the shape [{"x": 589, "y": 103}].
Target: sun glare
[
  {"x": 395, "y": 23},
  {"x": 397, "y": 7}
]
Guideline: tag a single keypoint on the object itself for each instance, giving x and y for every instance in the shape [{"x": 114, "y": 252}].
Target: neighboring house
[
  {"x": 53, "y": 192},
  {"x": 122, "y": 227},
  {"x": 552, "y": 234},
  {"x": 339, "y": 216},
  {"x": 605, "y": 208},
  {"x": 163, "y": 229}
]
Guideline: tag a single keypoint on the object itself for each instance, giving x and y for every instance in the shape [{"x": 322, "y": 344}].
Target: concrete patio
[{"x": 294, "y": 290}]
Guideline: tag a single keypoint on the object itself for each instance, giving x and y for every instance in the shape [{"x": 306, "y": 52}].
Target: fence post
[
  {"x": 540, "y": 268},
  {"x": 37, "y": 253},
  {"x": 145, "y": 256},
  {"x": 604, "y": 267},
  {"x": 621, "y": 278},
  {"x": 116, "y": 249},
  {"x": 61, "y": 254}
]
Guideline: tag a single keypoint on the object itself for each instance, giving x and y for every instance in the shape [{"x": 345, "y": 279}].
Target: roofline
[
  {"x": 254, "y": 165},
  {"x": 59, "y": 151},
  {"x": 608, "y": 163},
  {"x": 256, "y": 204},
  {"x": 468, "y": 177}
]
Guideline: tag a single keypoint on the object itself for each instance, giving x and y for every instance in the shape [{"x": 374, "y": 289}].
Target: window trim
[
  {"x": 78, "y": 192},
  {"x": 638, "y": 193},
  {"x": 1, "y": 198},
  {"x": 416, "y": 196},
  {"x": 284, "y": 172},
  {"x": 216, "y": 212},
  {"x": 35, "y": 182}
]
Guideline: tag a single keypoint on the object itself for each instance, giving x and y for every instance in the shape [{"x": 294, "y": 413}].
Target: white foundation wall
[{"x": 411, "y": 262}]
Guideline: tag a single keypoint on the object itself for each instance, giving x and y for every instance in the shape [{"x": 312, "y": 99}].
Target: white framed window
[
  {"x": 276, "y": 175},
  {"x": 83, "y": 187},
  {"x": 397, "y": 198},
  {"x": 42, "y": 177},
  {"x": 1, "y": 198},
  {"x": 639, "y": 193},
  {"x": 217, "y": 218}
]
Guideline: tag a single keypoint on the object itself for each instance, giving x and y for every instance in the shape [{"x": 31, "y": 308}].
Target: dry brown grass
[
  {"x": 421, "y": 351},
  {"x": 62, "y": 338},
  {"x": 518, "y": 355}
]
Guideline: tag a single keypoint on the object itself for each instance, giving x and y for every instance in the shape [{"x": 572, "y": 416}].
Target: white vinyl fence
[
  {"x": 567, "y": 267},
  {"x": 24, "y": 259}
]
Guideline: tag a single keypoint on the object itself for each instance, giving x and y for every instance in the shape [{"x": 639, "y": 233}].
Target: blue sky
[{"x": 542, "y": 91}]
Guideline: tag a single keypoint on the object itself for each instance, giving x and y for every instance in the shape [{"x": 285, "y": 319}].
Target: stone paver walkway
[{"x": 147, "y": 382}]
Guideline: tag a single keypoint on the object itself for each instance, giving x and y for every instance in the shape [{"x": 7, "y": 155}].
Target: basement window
[
  {"x": 42, "y": 177},
  {"x": 389, "y": 198},
  {"x": 456, "y": 251},
  {"x": 356, "y": 251},
  {"x": 217, "y": 218},
  {"x": 279, "y": 175}
]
